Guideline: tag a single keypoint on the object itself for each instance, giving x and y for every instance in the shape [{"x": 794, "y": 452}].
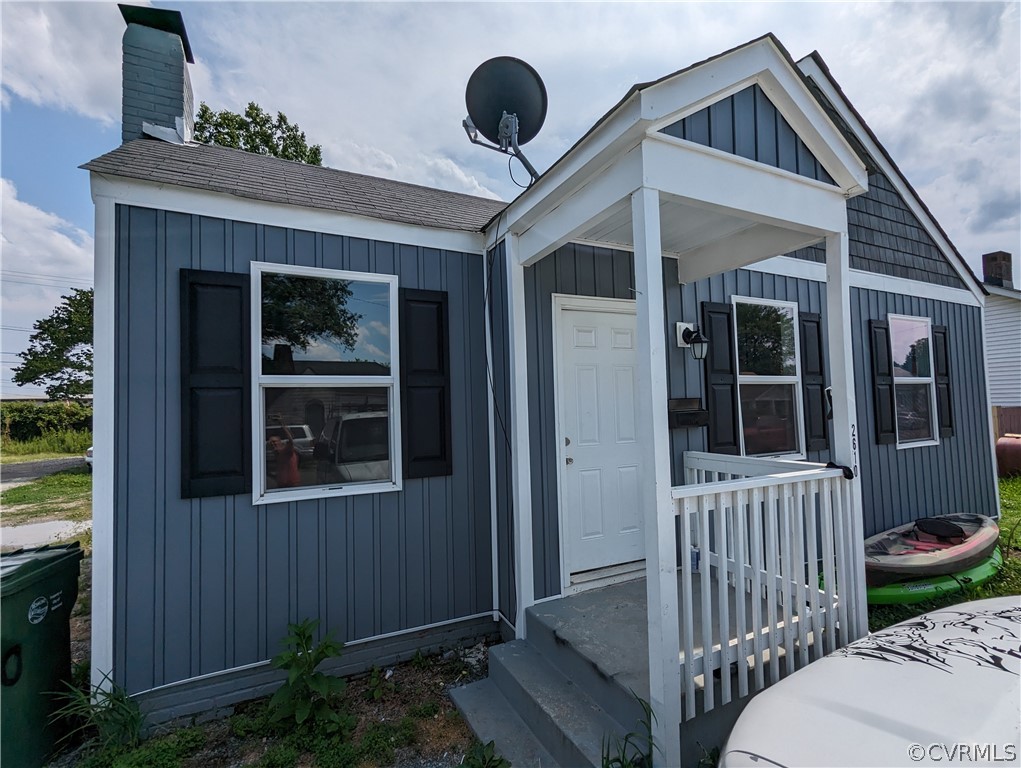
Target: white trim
[
  {"x": 521, "y": 468},
  {"x": 563, "y": 302},
  {"x": 225, "y": 206},
  {"x": 809, "y": 67},
  {"x": 929, "y": 380},
  {"x": 104, "y": 401},
  {"x": 604, "y": 577},
  {"x": 789, "y": 266},
  {"x": 658, "y": 510},
  {"x": 347, "y": 644},
  {"x": 844, "y": 448},
  {"x": 794, "y": 380},
  {"x": 261, "y": 495},
  {"x": 989, "y": 411},
  {"x": 904, "y": 286},
  {"x": 720, "y": 154},
  {"x": 494, "y": 539}
]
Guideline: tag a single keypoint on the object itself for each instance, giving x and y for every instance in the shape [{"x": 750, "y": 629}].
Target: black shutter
[
  {"x": 941, "y": 362},
  {"x": 216, "y": 413},
  {"x": 425, "y": 383},
  {"x": 883, "y": 400},
  {"x": 721, "y": 378},
  {"x": 813, "y": 385}
]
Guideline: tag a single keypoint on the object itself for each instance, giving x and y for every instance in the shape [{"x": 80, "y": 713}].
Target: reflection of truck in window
[{"x": 355, "y": 448}]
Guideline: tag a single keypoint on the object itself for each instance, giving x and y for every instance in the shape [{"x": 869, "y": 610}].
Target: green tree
[
  {"x": 765, "y": 340},
  {"x": 256, "y": 131},
  {"x": 59, "y": 355}
]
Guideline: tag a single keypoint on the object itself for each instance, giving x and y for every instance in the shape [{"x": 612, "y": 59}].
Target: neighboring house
[
  {"x": 507, "y": 415},
  {"x": 1003, "y": 342}
]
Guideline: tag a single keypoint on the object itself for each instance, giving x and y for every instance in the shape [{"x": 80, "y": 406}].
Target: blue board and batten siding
[
  {"x": 497, "y": 305},
  {"x": 899, "y": 486},
  {"x": 205, "y": 585},
  {"x": 580, "y": 270}
]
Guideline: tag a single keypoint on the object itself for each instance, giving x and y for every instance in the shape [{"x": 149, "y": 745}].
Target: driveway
[{"x": 11, "y": 474}]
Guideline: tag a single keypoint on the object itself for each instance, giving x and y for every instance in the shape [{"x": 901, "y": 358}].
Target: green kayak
[{"x": 918, "y": 590}]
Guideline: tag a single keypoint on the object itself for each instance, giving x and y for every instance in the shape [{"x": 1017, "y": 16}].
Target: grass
[
  {"x": 66, "y": 442},
  {"x": 13, "y": 458},
  {"x": 1006, "y": 583},
  {"x": 65, "y": 495}
]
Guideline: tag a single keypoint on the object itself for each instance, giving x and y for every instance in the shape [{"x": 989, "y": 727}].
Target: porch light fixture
[{"x": 688, "y": 335}]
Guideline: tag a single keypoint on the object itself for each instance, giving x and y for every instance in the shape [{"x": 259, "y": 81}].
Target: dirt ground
[{"x": 416, "y": 689}]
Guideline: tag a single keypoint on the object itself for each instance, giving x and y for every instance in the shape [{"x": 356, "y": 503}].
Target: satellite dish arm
[{"x": 508, "y": 141}]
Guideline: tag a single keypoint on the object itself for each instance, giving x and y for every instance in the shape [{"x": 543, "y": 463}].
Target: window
[
  {"x": 327, "y": 413},
  {"x": 914, "y": 388},
  {"x": 768, "y": 377}
]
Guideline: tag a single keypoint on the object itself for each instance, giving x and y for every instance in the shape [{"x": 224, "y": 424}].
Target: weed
[
  {"x": 381, "y": 739},
  {"x": 635, "y": 749},
  {"x": 710, "y": 757},
  {"x": 379, "y": 684},
  {"x": 420, "y": 661},
  {"x": 107, "y": 715},
  {"x": 424, "y": 710},
  {"x": 67, "y": 494},
  {"x": 484, "y": 756},
  {"x": 307, "y": 693},
  {"x": 61, "y": 442},
  {"x": 280, "y": 756}
]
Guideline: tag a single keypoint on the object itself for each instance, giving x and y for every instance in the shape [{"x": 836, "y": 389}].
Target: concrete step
[
  {"x": 563, "y": 717},
  {"x": 612, "y": 674},
  {"x": 492, "y": 718}
]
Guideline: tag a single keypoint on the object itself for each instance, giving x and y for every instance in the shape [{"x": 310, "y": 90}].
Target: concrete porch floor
[{"x": 609, "y": 627}]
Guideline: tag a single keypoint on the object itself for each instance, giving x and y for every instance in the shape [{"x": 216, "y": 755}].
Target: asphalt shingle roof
[{"x": 262, "y": 177}]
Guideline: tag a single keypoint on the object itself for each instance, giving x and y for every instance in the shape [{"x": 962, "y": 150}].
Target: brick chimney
[
  {"x": 997, "y": 270},
  {"x": 156, "y": 94}
]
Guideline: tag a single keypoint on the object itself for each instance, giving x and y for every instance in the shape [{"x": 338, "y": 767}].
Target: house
[
  {"x": 1003, "y": 341},
  {"x": 518, "y": 438}
]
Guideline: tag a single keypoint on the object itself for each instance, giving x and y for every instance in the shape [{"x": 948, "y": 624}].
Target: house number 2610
[{"x": 854, "y": 447}]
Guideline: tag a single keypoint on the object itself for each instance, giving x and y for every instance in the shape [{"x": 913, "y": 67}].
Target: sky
[{"x": 381, "y": 87}]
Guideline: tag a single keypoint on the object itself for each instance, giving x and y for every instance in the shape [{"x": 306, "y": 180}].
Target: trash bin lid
[{"x": 23, "y": 567}]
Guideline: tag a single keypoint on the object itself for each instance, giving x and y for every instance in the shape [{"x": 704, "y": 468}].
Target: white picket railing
[{"x": 765, "y": 547}]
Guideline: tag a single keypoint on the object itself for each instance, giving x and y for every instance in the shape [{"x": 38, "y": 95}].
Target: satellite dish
[
  {"x": 506, "y": 84},
  {"x": 506, "y": 102}
]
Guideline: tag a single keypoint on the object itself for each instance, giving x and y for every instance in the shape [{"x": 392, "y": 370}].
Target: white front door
[{"x": 600, "y": 451}]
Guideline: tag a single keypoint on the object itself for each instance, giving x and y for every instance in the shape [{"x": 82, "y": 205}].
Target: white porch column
[
  {"x": 660, "y": 539},
  {"x": 845, "y": 425},
  {"x": 521, "y": 477}
]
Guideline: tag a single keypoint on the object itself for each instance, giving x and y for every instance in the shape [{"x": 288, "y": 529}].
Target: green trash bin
[{"x": 38, "y": 589}]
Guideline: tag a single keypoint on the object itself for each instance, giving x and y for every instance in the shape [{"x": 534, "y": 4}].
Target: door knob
[{"x": 570, "y": 460}]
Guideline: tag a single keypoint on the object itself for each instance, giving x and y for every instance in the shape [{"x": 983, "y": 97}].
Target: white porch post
[
  {"x": 845, "y": 426},
  {"x": 660, "y": 539},
  {"x": 521, "y": 478}
]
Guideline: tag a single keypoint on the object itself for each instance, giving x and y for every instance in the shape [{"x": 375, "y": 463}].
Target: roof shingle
[{"x": 262, "y": 177}]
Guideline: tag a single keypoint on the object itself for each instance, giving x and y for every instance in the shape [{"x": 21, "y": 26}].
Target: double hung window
[
  {"x": 769, "y": 377},
  {"x": 914, "y": 386},
  {"x": 326, "y": 418}
]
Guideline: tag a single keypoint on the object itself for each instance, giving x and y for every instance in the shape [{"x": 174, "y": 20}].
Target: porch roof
[{"x": 716, "y": 207}]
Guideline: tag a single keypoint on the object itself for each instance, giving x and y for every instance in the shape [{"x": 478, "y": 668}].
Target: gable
[
  {"x": 749, "y": 125},
  {"x": 886, "y": 238}
]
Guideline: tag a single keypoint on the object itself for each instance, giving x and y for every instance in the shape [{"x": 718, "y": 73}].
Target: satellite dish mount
[{"x": 506, "y": 102}]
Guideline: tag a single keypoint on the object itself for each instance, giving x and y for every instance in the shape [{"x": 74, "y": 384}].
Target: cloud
[
  {"x": 43, "y": 258},
  {"x": 380, "y": 328},
  {"x": 63, "y": 55},
  {"x": 380, "y": 85}
]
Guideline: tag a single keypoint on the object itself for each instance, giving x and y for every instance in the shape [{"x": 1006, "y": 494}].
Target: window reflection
[{"x": 324, "y": 326}]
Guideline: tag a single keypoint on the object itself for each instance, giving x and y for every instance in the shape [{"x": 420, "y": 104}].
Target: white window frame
[
  {"x": 261, "y": 381},
  {"x": 799, "y": 407},
  {"x": 930, "y": 380}
]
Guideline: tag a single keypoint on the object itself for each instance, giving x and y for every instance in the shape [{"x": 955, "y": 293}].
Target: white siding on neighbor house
[{"x": 1003, "y": 341}]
